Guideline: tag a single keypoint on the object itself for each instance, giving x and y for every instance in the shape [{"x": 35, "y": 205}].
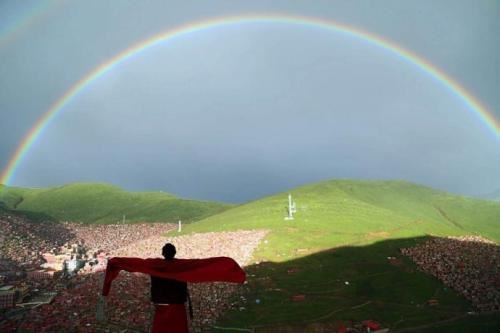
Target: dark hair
[{"x": 168, "y": 251}]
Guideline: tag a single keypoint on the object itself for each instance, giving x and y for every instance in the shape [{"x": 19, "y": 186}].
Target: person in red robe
[{"x": 169, "y": 279}]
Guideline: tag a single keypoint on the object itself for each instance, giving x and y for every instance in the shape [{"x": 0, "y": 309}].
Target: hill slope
[
  {"x": 104, "y": 203},
  {"x": 342, "y": 212},
  {"x": 334, "y": 255}
]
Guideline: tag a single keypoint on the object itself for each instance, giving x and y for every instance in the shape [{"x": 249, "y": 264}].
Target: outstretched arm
[
  {"x": 116, "y": 264},
  {"x": 223, "y": 269}
]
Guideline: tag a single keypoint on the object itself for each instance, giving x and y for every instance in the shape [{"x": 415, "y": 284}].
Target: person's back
[
  {"x": 167, "y": 291},
  {"x": 170, "y": 287},
  {"x": 169, "y": 297}
]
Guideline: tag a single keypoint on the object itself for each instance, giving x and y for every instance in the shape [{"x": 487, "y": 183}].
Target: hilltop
[{"x": 104, "y": 203}]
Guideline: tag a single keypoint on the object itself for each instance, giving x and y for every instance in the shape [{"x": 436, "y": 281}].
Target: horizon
[{"x": 484, "y": 196}]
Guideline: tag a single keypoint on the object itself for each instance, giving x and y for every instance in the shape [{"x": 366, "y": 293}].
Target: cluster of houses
[{"x": 27, "y": 286}]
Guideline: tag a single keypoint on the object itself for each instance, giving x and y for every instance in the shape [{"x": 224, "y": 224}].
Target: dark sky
[{"x": 238, "y": 112}]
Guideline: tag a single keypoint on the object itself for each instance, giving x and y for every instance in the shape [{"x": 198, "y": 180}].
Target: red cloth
[
  {"x": 222, "y": 269},
  {"x": 170, "y": 319}
]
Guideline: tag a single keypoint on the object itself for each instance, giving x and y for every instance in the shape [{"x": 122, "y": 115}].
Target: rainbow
[
  {"x": 184, "y": 30},
  {"x": 35, "y": 14}
]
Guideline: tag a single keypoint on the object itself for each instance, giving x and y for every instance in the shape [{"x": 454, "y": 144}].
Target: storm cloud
[{"x": 237, "y": 112}]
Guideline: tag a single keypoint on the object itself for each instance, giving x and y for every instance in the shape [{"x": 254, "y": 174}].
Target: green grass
[
  {"x": 343, "y": 212},
  {"x": 344, "y": 230},
  {"x": 104, "y": 203},
  {"x": 393, "y": 295}
]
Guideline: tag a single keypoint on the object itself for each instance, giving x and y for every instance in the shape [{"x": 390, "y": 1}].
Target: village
[{"x": 46, "y": 281}]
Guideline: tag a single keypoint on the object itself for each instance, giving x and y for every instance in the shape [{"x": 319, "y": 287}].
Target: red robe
[{"x": 173, "y": 318}]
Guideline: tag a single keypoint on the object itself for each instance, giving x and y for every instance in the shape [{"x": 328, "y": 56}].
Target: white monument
[
  {"x": 291, "y": 208},
  {"x": 179, "y": 229}
]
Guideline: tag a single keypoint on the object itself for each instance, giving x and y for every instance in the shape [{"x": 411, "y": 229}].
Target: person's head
[{"x": 168, "y": 251}]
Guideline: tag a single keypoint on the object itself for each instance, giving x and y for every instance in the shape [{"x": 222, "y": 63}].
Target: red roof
[{"x": 371, "y": 324}]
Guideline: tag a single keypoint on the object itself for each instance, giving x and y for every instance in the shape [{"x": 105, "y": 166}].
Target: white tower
[{"x": 291, "y": 208}]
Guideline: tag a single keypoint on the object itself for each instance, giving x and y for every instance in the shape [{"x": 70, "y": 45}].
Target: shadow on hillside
[
  {"x": 22, "y": 237},
  {"x": 454, "y": 280},
  {"x": 30, "y": 215},
  {"x": 39, "y": 225}
]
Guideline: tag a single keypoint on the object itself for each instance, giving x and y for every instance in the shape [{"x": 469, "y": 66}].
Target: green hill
[
  {"x": 344, "y": 230},
  {"x": 104, "y": 203},
  {"x": 342, "y": 212}
]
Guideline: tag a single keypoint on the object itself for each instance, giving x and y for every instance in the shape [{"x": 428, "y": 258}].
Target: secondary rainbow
[
  {"x": 27, "y": 20},
  {"x": 37, "y": 130}
]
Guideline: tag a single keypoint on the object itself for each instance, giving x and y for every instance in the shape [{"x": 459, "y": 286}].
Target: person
[
  {"x": 169, "y": 297},
  {"x": 65, "y": 268},
  {"x": 168, "y": 282}
]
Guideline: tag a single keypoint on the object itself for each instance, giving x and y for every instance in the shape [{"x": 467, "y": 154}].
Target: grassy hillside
[
  {"x": 104, "y": 203},
  {"x": 344, "y": 230},
  {"x": 395, "y": 295},
  {"x": 343, "y": 212}
]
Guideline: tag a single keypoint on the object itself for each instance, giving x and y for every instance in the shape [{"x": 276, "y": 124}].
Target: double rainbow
[{"x": 37, "y": 130}]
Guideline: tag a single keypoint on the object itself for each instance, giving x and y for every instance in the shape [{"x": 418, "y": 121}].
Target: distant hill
[
  {"x": 338, "y": 212},
  {"x": 104, "y": 203}
]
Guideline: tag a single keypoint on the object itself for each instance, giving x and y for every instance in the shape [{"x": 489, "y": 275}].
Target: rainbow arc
[{"x": 474, "y": 105}]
